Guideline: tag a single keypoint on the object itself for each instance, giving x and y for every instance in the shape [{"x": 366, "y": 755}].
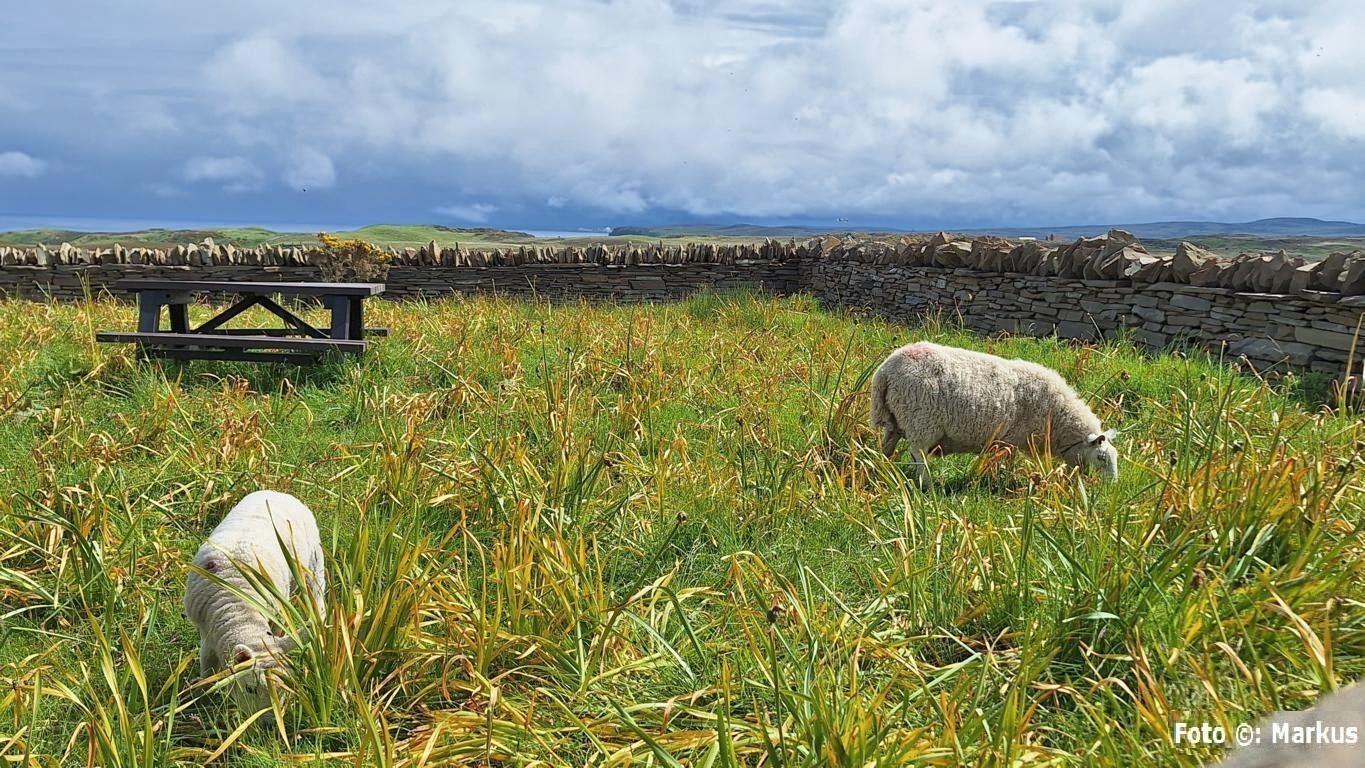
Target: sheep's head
[
  {"x": 256, "y": 668},
  {"x": 1098, "y": 453}
]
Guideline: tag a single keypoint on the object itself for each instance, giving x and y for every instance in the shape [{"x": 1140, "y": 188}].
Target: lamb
[
  {"x": 960, "y": 401},
  {"x": 1329, "y": 735},
  {"x": 226, "y": 607}
]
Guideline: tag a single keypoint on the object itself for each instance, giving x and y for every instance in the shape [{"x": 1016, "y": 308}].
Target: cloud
[
  {"x": 234, "y": 174},
  {"x": 259, "y": 71},
  {"x": 310, "y": 168},
  {"x": 1186, "y": 96},
  {"x": 1340, "y": 113},
  {"x": 907, "y": 111},
  {"x": 474, "y": 213},
  {"x": 15, "y": 163}
]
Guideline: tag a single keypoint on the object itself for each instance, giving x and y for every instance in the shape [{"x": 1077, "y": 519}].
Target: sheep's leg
[
  {"x": 921, "y": 439},
  {"x": 317, "y": 585},
  {"x": 890, "y": 436},
  {"x": 208, "y": 660},
  {"x": 921, "y": 468}
]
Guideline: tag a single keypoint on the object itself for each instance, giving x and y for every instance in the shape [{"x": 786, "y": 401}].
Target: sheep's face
[
  {"x": 1099, "y": 454},
  {"x": 257, "y": 670}
]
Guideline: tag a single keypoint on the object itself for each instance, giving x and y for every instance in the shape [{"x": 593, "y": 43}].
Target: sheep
[
  {"x": 961, "y": 401},
  {"x": 1329, "y": 735},
  {"x": 226, "y": 607}
]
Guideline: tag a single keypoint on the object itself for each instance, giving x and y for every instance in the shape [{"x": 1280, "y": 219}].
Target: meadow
[
  {"x": 591, "y": 534},
  {"x": 384, "y": 235},
  {"x": 391, "y": 235}
]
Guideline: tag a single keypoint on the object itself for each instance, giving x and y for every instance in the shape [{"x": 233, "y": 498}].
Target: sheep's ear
[
  {"x": 1094, "y": 439},
  {"x": 1111, "y": 434},
  {"x": 241, "y": 654}
]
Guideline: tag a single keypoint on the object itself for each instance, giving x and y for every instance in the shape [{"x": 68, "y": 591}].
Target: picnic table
[{"x": 297, "y": 342}]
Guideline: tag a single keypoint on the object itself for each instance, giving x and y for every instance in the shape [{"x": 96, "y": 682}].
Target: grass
[
  {"x": 249, "y": 237},
  {"x": 661, "y": 535},
  {"x": 387, "y": 235}
]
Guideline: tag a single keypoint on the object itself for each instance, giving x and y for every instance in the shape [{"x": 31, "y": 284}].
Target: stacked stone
[
  {"x": 209, "y": 253},
  {"x": 1315, "y": 330},
  {"x": 1116, "y": 255},
  {"x": 1268, "y": 308}
]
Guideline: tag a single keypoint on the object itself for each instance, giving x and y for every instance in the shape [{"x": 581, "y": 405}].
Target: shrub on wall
[{"x": 350, "y": 261}]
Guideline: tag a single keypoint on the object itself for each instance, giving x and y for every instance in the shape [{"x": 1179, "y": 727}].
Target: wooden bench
[{"x": 297, "y": 342}]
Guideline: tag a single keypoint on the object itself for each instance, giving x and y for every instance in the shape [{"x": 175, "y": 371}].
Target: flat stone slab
[{"x": 1329, "y": 339}]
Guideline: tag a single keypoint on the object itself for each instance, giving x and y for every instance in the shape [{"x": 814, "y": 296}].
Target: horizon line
[{"x": 129, "y": 224}]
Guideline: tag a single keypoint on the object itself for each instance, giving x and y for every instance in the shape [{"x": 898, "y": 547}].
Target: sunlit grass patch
[{"x": 590, "y": 534}]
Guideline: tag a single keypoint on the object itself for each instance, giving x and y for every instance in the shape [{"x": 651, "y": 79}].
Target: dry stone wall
[
  {"x": 648, "y": 282},
  {"x": 69, "y": 282},
  {"x": 1313, "y": 330},
  {"x": 645, "y": 282},
  {"x": 211, "y": 254},
  {"x": 1272, "y": 309},
  {"x": 1114, "y": 256}
]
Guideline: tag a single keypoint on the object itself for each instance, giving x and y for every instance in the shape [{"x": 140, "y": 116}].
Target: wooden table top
[{"x": 255, "y": 288}]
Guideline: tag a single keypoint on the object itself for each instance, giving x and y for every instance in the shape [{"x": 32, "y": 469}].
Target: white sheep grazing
[
  {"x": 961, "y": 401},
  {"x": 1329, "y": 735},
  {"x": 232, "y": 629}
]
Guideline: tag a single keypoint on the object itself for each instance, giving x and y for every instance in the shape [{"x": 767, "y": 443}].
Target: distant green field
[
  {"x": 393, "y": 235},
  {"x": 379, "y": 234}
]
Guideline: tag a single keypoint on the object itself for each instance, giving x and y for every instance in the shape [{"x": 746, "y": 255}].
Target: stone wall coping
[{"x": 586, "y": 266}]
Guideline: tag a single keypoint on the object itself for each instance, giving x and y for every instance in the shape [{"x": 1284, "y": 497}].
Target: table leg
[
  {"x": 149, "y": 311},
  {"x": 180, "y": 317},
  {"x": 357, "y": 318},
  {"x": 341, "y": 316}
]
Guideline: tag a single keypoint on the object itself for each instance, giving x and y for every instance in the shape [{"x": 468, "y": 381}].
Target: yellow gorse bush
[{"x": 343, "y": 261}]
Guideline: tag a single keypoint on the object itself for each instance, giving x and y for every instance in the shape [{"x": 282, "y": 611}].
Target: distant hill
[
  {"x": 392, "y": 235},
  {"x": 721, "y": 231},
  {"x": 396, "y": 235}
]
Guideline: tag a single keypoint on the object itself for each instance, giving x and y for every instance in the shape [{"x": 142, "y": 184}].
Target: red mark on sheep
[{"x": 917, "y": 351}]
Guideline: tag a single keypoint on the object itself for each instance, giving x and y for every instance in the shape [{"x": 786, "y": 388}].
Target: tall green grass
[{"x": 662, "y": 535}]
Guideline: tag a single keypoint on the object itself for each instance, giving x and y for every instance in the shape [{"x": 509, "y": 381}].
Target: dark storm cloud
[{"x": 592, "y": 112}]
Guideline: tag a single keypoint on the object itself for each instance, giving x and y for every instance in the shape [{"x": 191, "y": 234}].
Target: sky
[{"x": 585, "y": 114}]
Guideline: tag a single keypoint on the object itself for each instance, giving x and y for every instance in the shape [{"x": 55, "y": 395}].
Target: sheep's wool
[
  {"x": 960, "y": 401},
  {"x": 1329, "y": 735},
  {"x": 232, "y": 628}
]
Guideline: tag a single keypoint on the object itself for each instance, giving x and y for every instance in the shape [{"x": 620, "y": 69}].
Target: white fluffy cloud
[
  {"x": 963, "y": 110},
  {"x": 15, "y": 163}
]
